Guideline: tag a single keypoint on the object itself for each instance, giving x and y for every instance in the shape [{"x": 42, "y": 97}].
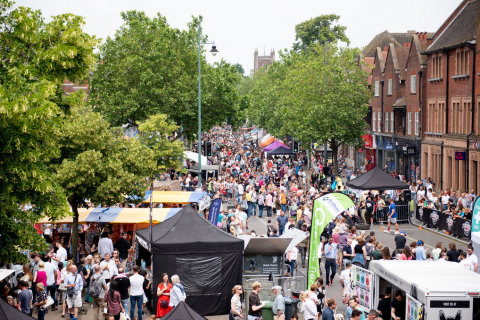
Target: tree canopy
[
  {"x": 36, "y": 57},
  {"x": 240, "y": 69},
  {"x": 320, "y": 30},
  {"x": 150, "y": 68}
]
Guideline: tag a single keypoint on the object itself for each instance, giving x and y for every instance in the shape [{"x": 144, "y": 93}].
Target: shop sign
[
  {"x": 388, "y": 144},
  {"x": 406, "y": 150},
  {"x": 367, "y": 141},
  {"x": 476, "y": 145},
  {"x": 379, "y": 143},
  {"x": 360, "y": 150},
  {"x": 460, "y": 155}
]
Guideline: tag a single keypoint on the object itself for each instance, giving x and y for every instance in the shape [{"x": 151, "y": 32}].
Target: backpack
[{"x": 94, "y": 290}]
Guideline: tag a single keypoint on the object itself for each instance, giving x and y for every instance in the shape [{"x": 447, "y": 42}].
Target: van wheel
[{"x": 362, "y": 226}]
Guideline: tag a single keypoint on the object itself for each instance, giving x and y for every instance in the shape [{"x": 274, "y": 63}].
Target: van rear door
[{"x": 449, "y": 308}]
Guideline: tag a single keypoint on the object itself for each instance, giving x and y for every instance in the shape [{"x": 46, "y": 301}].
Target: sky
[{"x": 238, "y": 27}]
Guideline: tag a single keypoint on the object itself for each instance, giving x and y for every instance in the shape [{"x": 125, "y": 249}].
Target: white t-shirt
[
  {"x": 312, "y": 191},
  {"x": 354, "y": 243},
  {"x": 421, "y": 193},
  {"x": 445, "y": 199},
  {"x": 187, "y": 182},
  {"x": 108, "y": 273},
  {"x": 293, "y": 253},
  {"x": 136, "y": 285},
  {"x": 62, "y": 253},
  {"x": 50, "y": 270},
  {"x": 473, "y": 259},
  {"x": 345, "y": 276},
  {"x": 320, "y": 248},
  {"x": 466, "y": 263}
]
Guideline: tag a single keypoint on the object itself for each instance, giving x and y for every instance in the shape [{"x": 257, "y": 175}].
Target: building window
[
  {"x": 392, "y": 122},
  {"x": 379, "y": 121},
  {"x": 441, "y": 117},
  {"x": 413, "y": 84},
  {"x": 386, "y": 122},
  {"x": 462, "y": 62},
  {"x": 377, "y": 89},
  {"x": 389, "y": 87},
  {"x": 374, "y": 121},
  {"x": 456, "y": 119},
  {"x": 467, "y": 119},
  {"x": 417, "y": 123},
  {"x": 437, "y": 67},
  {"x": 409, "y": 123}
]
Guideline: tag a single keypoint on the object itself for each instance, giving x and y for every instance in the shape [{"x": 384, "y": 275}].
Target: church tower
[{"x": 262, "y": 61}]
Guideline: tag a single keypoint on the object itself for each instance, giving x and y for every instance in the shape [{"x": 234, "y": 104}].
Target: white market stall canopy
[{"x": 193, "y": 156}]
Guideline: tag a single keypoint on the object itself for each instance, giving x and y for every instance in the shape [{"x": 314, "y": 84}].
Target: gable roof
[
  {"x": 461, "y": 29},
  {"x": 419, "y": 46},
  {"x": 380, "y": 59},
  {"x": 188, "y": 232},
  {"x": 384, "y": 39},
  {"x": 399, "y": 56}
]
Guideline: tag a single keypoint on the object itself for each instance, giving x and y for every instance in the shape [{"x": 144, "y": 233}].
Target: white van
[{"x": 434, "y": 290}]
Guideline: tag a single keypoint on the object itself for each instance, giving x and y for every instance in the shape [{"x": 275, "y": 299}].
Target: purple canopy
[{"x": 274, "y": 145}]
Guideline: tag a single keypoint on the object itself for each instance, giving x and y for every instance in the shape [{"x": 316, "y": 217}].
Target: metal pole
[
  {"x": 199, "y": 110},
  {"x": 151, "y": 218},
  {"x": 325, "y": 146}
]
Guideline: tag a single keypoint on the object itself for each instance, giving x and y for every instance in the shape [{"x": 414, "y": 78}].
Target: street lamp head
[{"x": 214, "y": 50}]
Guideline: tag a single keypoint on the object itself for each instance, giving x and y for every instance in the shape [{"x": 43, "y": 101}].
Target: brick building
[
  {"x": 450, "y": 153},
  {"x": 262, "y": 61},
  {"x": 70, "y": 87}
]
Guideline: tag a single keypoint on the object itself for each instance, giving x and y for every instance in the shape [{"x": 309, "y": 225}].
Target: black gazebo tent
[
  {"x": 280, "y": 150},
  {"x": 376, "y": 179},
  {"x": 208, "y": 261},
  {"x": 7, "y": 312},
  {"x": 183, "y": 312}
]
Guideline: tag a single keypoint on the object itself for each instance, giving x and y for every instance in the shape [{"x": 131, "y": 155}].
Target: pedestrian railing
[{"x": 403, "y": 213}]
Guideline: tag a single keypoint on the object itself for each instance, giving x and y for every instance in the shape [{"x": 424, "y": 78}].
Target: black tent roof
[
  {"x": 376, "y": 179},
  {"x": 7, "y": 312},
  {"x": 280, "y": 150},
  {"x": 188, "y": 232},
  {"x": 183, "y": 312}
]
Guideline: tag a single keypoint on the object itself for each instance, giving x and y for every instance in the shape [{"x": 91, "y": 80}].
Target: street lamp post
[{"x": 214, "y": 51}]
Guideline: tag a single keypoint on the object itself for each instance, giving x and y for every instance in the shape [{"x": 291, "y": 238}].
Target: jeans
[
  {"x": 284, "y": 208},
  {"x": 253, "y": 317},
  {"x": 41, "y": 314},
  {"x": 292, "y": 267},
  {"x": 249, "y": 208},
  {"x": 330, "y": 264},
  {"x": 126, "y": 305},
  {"x": 52, "y": 290},
  {"x": 260, "y": 210},
  {"x": 269, "y": 211},
  {"x": 138, "y": 300},
  {"x": 303, "y": 254},
  {"x": 281, "y": 231},
  {"x": 254, "y": 208}
]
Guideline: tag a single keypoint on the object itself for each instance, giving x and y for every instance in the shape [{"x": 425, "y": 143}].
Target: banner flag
[
  {"x": 476, "y": 216},
  {"x": 214, "y": 212},
  {"x": 325, "y": 209}
]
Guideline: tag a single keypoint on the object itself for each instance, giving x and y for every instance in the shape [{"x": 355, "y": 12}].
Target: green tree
[
  {"x": 326, "y": 102},
  {"x": 240, "y": 69},
  {"x": 98, "y": 165},
  {"x": 320, "y": 30},
  {"x": 150, "y": 68},
  {"x": 36, "y": 57},
  {"x": 157, "y": 134}
]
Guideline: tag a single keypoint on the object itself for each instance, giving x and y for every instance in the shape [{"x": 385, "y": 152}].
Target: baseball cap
[
  {"x": 419, "y": 243},
  {"x": 403, "y": 232}
]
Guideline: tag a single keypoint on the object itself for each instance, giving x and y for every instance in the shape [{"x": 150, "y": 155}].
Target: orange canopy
[{"x": 267, "y": 142}]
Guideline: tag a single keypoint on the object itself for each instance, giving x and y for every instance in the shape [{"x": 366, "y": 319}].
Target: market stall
[
  {"x": 175, "y": 197},
  {"x": 207, "y": 260}
]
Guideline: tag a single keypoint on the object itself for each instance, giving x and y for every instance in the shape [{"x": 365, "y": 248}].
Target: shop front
[
  {"x": 389, "y": 148},
  {"x": 408, "y": 160},
  {"x": 369, "y": 157}
]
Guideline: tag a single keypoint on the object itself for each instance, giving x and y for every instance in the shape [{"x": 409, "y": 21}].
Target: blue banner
[{"x": 214, "y": 212}]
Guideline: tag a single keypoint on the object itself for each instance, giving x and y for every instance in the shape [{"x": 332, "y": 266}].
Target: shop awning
[
  {"x": 179, "y": 197},
  {"x": 118, "y": 215}
]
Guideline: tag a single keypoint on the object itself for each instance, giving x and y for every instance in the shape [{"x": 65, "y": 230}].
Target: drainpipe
[
  {"x": 420, "y": 72},
  {"x": 441, "y": 165},
  {"x": 383, "y": 117},
  {"x": 473, "y": 115},
  {"x": 405, "y": 119},
  {"x": 446, "y": 93}
]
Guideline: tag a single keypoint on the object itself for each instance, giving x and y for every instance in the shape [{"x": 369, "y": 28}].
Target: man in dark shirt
[
  {"x": 348, "y": 254},
  {"x": 274, "y": 233},
  {"x": 270, "y": 228},
  {"x": 301, "y": 222},
  {"x": 400, "y": 241},
  {"x": 384, "y": 305},
  {"x": 369, "y": 205},
  {"x": 398, "y": 306},
  {"x": 328, "y": 311},
  {"x": 122, "y": 246},
  {"x": 254, "y": 304},
  {"x": 123, "y": 284},
  {"x": 281, "y": 222}
]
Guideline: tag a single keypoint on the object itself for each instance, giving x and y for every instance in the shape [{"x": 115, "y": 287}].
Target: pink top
[
  {"x": 42, "y": 277},
  {"x": 269, "y": 200},
  {"x": 59, "y": 277},
  {"x": 335, "y": 238},
  {"x": 404, "y": 257}
]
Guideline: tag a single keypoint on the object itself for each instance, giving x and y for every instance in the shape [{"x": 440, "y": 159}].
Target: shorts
[
  {"x": 368, "y": 215},
  {"x": 75, "y": 301},
  {"x": 393, "y": 220}
]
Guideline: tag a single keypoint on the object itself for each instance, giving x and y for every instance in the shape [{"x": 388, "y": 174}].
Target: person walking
[
  {"x": 392, "y": 216},
  {"x": 236, "y": 303},
  {"x": 25, "y": 297},
  {"x": 105, "y": 245},
  {"x": 41, "y": 301},
  {"x": 74, "y": 297},
  {"x": 163, "y": 293},
  {"x": 51, "y": 277},
  {"x": 328, "y": 311},
  {"x": 254, "y": 304},
  {"x": 278, "y": 304},
  {"x": 108, "y": 267},
  {"x": 309, "y": 307},
  {"x": 114, "y": 301},
  {"x": 97, "y": 290},
  {"x": 177, "y": 294},
  {"x": 330, "y": 250},
  {"x": 136, "y": 293},
  {"x": 303, "y": 246},
  {"x": 123, "y": 284}
]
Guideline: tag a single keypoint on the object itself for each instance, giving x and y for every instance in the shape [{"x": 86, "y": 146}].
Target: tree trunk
[
  {"x": 74, "y": 233},
  {"x": 334, "y": 147}
]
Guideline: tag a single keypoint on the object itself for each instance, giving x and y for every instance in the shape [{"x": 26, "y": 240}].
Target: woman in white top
[
  {"x": 236, "y": 303},
  {"x": 308, "y": 306},
  {"x": 177, "y": 293}
]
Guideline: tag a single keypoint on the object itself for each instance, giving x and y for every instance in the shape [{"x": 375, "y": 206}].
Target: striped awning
[
  {"x": 118, "y": 215},
  {"x": 178, "y": 197}
]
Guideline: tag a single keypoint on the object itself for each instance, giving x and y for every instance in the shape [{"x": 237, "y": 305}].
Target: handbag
[
  {"x": 163, "y": 303},
  {"x": 49, "y": 302},
  {"x": 70, "y": 291},
  {"x": 62, "y": 287}
]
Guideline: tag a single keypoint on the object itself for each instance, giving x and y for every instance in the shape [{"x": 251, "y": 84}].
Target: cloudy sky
[{"x": 238, "y": 27}]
